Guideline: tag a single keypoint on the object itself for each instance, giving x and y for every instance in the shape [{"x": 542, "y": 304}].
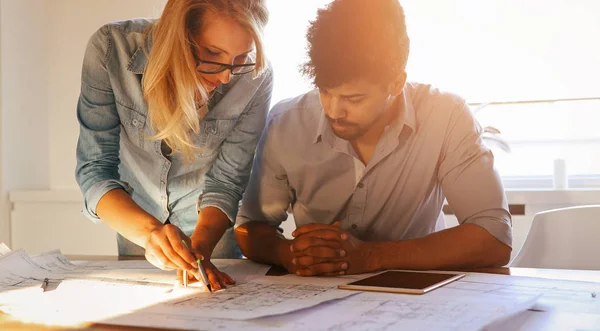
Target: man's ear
[{"x": 397, "y": 85}]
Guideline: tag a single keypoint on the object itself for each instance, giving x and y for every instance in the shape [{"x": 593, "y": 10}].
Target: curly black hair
[{"x": 357, "y": 39}]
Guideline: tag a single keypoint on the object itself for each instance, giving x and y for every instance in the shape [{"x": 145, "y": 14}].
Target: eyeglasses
[{"x": 210, "y": 67}]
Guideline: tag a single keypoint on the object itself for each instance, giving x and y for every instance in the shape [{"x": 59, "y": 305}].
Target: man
[{"x": 366, "y": 160}]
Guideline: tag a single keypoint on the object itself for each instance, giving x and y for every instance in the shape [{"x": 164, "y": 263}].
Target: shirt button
[
  {"x": 354, "y": 226},
  {"x": 360, "y": 185},
  {"x": 135, "y": 122}
]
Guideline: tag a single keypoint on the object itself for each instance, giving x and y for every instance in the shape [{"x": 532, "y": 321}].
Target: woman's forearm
[
  {"x": 212, "y": 223},
  {"x": 121, "y": 213}
]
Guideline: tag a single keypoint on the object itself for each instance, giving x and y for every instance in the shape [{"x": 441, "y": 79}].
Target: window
[{"x": 535, "y": 63}]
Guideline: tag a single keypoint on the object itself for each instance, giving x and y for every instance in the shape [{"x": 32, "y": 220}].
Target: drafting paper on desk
[
  {"x": 385, "y": 311},
  {"x": 142, "y": 270},
  {"x": 254, "y": 299},
  {"x": 562, "y": 295},
  {"x": 241, "y": 269},
  {"x": 446, "y": 310},
  {"x": 18, "y": 271}
]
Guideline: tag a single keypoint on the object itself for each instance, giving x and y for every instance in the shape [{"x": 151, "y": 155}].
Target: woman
[{"x": 170, "y": 112}]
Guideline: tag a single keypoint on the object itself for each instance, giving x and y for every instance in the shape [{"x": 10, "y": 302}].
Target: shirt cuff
[
  {"x": 227, "y": 204},
  {"x": 96, "y": 192},
  {"x": 500, "y": 228}
]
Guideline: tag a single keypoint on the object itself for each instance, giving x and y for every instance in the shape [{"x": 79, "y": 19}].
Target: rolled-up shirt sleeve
[
  {"x": 227, "y": 179},
  {"x": 469, "y": 180},
  {"x": 97, "y": 170},
  {"x": 268, "y": 195}
]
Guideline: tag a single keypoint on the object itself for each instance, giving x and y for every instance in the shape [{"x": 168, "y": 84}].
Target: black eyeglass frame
[{"x": 225, "y": 66}]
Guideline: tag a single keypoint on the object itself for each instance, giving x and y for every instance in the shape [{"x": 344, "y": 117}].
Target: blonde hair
[{"x": 171, "y": 83}]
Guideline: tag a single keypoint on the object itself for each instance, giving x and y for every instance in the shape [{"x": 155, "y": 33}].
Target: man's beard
[{"x": 347, "y": 130}]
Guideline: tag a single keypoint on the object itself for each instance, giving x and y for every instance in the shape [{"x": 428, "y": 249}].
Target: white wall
[
  {"x": 24, "y": 110},
  {"x": 42, "y": 45},
  {"x": 71, "y": 23}
]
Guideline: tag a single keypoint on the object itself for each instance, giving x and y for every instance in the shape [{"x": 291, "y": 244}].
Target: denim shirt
[{"x": 114, "y": 150}]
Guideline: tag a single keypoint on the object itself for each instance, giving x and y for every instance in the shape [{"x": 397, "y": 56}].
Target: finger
[
  {"x": 198, "y": 256},
  {"x": 311, "y": 227},
  {"x": 221, "y": 279},
  {"x": 214, "y": 279},
  {"x": 303, "y": 243},
  {"x": 155, "y": 256},
  {"x": 180, "y": 277},
  {"x": 323, "y": 252},
  {"x": 228, "y": 280},
  {"x": 180, "y": 247},
  {"x": 174, "y": 257},
  {"x": 327, "y": 234},
  {"x": 333, "y": 274},
  {"x": 306, "y": 261},
  {"x": 323, "y": 268},
  {"x": 337, "y": 223}
]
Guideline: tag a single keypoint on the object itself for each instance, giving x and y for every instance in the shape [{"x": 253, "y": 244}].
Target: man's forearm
[
  {"x": 263, "y": 243},
  {"x": 461, "y": 247}
]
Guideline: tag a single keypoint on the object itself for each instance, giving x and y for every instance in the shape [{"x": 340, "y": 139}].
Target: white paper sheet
[
  {"x": 257, "y": 298},
  {"x": 137, "y": 294},
  {"x": 562, "y": 295},
  {"x": 363, "y": 311}
]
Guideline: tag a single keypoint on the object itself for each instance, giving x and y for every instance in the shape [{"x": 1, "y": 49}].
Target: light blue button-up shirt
[{"x": 114, "y": 151}]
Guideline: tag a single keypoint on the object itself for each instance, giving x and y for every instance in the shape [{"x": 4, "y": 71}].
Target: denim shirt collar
[{"x": 138, "y": 62}]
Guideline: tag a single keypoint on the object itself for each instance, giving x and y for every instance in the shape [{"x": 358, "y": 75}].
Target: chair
[{"x": 566, "y": 238}]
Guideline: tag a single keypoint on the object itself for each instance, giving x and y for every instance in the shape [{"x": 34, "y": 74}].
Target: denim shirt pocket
[
  {"x": 212, "y": 134},
  {"x": 134, "y": 124}
]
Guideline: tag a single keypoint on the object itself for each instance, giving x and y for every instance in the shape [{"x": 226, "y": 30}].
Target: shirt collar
[
  {"x": 138, "y": 62},
  {"x": 406, "y": 117},
  {"x": 323, "y": 126},
  {"x": 406, "y": 111}
]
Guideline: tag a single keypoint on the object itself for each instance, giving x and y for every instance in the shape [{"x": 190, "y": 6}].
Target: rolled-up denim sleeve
[
  {"x": 97, "y": 170},
  {"x": 470, "y": 182},
  {"x": 226, "y": 181}
]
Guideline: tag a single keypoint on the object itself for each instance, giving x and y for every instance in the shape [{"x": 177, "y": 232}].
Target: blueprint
[{"x": 134, "y": 293}]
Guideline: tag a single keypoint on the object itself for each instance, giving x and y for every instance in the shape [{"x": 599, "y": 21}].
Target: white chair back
[{"x": 566, "y": 238}]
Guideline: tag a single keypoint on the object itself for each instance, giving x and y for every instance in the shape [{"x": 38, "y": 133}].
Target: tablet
[{"x": 403, "y": 281}]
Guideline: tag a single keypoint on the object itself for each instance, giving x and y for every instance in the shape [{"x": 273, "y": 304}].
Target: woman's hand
[
  {"x": 218, "y": 280},
  {"x": 212, "y": 223},
  {"x": 166, "y": 249}
]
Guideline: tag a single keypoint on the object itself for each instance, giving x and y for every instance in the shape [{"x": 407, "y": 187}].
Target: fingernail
[
  {"x": 195, "y": 265},
  {"x": 342, "y": 272},
  {"x": 345, "y": 266},
  {"x": 344, "y": 236},
  {"x": 298, "y": 273},
  {"x": 294, "y": 233},
  {"x": 342, "y": 252},
  {"x": 291, "y": 248},
  {"x": 294, "y": 261}
]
